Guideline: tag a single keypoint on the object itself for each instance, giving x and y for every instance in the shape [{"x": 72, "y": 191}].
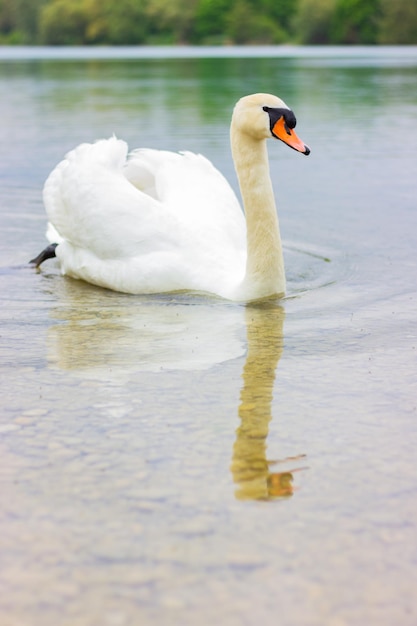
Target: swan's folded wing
[
  {"x": 193, "y": 190},
  {"x": 94, "y": 207},
  {"x": 158, "y": 222}
]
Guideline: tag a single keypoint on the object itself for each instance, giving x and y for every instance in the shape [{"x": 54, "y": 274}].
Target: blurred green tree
[
  {"x": 211, "y": 21},
  {"x": 313, "y": 21},
  {"x": 124, "y": 22},
  {"x": 132, "y": 22},
  {"x": 7, "y": 19},
  {"x": 19, "y": 21},
  {"x": 282, "y": 12},
  {"x": 245, "y": 24},
  {"x": 356, "y": 22},
  {"x": 243, "y": 21},
  {"x": 398, "y": 24},
  {"x": 171, "y": 21},
  {"x": 64, "y": 22}
]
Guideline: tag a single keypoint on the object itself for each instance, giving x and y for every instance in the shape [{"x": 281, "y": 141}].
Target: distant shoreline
[{"x": 10, "y": 53}]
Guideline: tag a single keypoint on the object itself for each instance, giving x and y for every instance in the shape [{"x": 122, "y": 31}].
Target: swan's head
[{"x": 262, "y": 116}]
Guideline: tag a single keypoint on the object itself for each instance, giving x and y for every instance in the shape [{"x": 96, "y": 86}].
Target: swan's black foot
[{"x": 48, "y": 253}]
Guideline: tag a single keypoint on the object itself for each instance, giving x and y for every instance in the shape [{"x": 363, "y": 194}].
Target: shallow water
[{"x": 179, "y": 459}]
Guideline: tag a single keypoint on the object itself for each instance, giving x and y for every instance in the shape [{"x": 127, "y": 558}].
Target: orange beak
[{"x": 282, "y": 131}]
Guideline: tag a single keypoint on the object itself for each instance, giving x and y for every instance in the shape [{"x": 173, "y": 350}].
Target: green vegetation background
[{"x": 133, "y": 22}]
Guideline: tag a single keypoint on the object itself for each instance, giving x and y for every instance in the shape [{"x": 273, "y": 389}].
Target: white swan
[{"x": 156, "y": 221}]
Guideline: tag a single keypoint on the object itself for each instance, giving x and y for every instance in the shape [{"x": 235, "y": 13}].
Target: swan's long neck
[{"x": 265, "y": 274}]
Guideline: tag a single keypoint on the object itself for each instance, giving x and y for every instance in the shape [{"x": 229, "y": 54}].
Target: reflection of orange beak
[
  {"x": 282, "y": 131},
  {"x": 280, "y": 484}
]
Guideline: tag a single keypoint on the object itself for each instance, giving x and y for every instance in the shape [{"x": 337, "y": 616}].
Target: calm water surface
[{"x": 179, "y": 459}]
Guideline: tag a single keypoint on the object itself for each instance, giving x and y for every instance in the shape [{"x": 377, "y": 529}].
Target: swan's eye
[{"x": 277, "y": 113}]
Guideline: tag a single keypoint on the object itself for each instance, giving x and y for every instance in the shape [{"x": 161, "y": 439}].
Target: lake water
[{"x": 182, "y": 460}]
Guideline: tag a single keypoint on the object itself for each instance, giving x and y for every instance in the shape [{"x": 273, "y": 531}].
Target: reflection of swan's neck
[
  {"x": 265, "y": 264},
  {"x": 250, "y": 467}
]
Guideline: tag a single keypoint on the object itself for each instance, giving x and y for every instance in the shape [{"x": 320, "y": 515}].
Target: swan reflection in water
[
  {"x": 109, "y": 337},
  {"x": 100, "y": 330},
  {"x": 250, "y": 467}
]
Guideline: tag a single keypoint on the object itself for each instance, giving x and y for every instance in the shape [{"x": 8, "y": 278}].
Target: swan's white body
[{"x": 156, "y": 221}]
